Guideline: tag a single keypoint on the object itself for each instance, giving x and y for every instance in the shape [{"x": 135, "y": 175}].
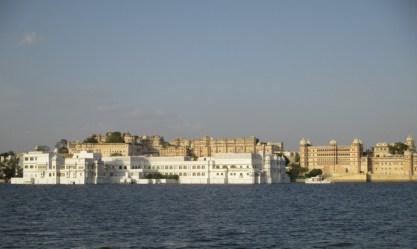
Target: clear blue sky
[{"x": 279, "y": 70}]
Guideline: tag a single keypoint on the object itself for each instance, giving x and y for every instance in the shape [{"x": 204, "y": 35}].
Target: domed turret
[
  {"x": 332, "y": 142},
  {"x": 357, "y": 141},
  {"x": 409, "y": 141},
  {"x": 303, "y": 142}
]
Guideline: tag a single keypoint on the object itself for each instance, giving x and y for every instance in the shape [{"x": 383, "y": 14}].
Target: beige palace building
[
  {"x": 157, "y": 146},
  {"x": 332, "y": 158},
  {"x": 350, "y": 163},
  {"x": 106, "y": 149}
]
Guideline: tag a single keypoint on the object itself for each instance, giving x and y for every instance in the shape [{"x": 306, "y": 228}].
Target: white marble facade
[{"x": 91, "y": 168}]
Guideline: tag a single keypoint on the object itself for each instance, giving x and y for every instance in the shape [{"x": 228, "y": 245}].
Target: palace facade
[
  {"x": 90, "y": 168},
  {"x": 349, "y": 162},
  {"x": 157, "y": 146}
]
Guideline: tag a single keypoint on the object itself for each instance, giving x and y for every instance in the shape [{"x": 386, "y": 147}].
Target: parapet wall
[
  {"x": 391, "y": 178},
  {"x": 373, "y": 178},
  {"x": 349, "y": 178}
]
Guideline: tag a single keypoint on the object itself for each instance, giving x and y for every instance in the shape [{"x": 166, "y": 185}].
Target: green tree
[
  {"x": 63, "y": 150},
  {"x": 297, "y": 158},
  {"x": 397, "y": 148},
  {"x": 314, "y": 172},
  {"x": 62, "y": 146},
  {"x": 91, "y": 140},
  {"x": 10, "y": 167},
  {"x": 295, "y": 171},
  {"x": 43, "y": 148},
  {"x": 115, "y": 137}
]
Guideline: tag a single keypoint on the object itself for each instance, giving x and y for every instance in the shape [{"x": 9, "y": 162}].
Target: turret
[
  {"x": 408, "y": 162},
  {"x": 334, "y": 159},
  {"x": 304, "y": 152},
  {"x": 356, "y": 149},
  {"x": 409, "y": 141}
]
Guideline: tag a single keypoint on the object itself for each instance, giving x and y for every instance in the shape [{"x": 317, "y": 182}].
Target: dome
[
  {"x": 303, "y": 141},
  {"x": 332, "y": 142},
  {"x": 409, "y": 138}
]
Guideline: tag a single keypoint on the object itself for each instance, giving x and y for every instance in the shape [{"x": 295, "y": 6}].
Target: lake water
[{"x": 209, "y": 216}]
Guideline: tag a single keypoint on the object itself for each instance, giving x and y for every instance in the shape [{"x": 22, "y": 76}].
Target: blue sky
[{"x": 279, "y": 70}]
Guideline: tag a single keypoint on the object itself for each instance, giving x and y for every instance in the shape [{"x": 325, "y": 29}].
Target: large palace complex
[
  {"x": 351, "y": 163},
  {"x": 150, "y": 159},
  {"x": 116, "y": 157},
  {"x": 157, "y": 146}
]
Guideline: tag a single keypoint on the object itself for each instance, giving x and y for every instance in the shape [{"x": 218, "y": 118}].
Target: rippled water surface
[{"x": 201, "y": 216}]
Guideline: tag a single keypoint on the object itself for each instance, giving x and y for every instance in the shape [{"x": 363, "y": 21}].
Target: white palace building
[{"x": 90, "y": 168}]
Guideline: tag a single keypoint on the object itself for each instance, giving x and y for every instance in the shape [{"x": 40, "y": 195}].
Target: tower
[
  {"x": 408, "y": 162},
  {"x": 304, "y": 152},
  {"x": 409, "y": 155},
  {"x": 334, "y": 159},
  {"x": 355, "y": 155},
  {"x": 409, "y": 141}
]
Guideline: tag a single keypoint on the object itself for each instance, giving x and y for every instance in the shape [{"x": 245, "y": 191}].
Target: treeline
[
  {"x": 9, "y": 166},
  {"x": 112, "y": 137}
]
